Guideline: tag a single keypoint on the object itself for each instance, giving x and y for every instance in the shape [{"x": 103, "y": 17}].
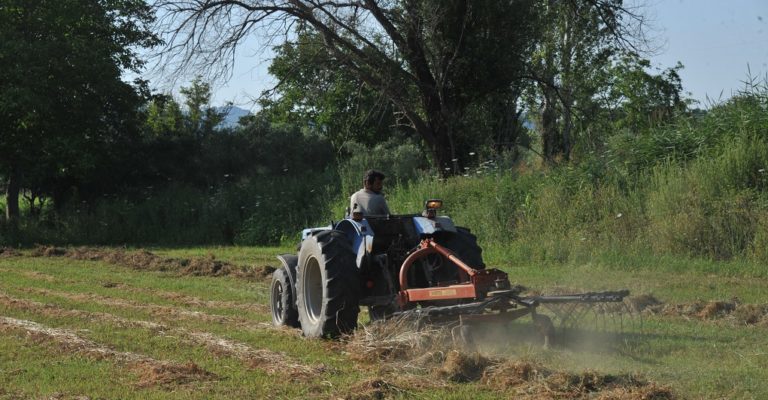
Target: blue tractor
[{"x": 420, "y": 264}]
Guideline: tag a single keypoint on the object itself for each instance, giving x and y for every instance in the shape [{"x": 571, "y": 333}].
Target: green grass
[{"x": 699, "y": 359}]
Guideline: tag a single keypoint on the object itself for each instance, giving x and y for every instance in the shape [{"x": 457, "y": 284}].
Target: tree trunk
[
  {"x": 12, "y": 196},
  {"x": 550, "y": 135}
]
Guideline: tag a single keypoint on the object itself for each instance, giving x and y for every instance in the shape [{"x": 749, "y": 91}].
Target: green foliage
[
  {"x": 164, "y": 117},
  {"x": 324, "y": 96},
  {"x": 696, "y": 188},
  {"x": 640, "y": 100},
  {"x": 401, "y": 161},
  {"x": 63, "y": 105},
  {"x": 713, "y": 206}
]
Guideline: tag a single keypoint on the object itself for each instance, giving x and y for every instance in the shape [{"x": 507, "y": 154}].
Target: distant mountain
[{"x": 233, "y": 116}]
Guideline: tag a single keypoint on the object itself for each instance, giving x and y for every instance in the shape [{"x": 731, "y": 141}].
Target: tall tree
[
  {"x": 432, "y": 59},
  {"x": 62, "y": 99},
  {"x": 578, "y": 43}
]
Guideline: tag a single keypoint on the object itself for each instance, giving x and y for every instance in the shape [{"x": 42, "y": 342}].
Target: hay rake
[{"x": 488, "y": 296}]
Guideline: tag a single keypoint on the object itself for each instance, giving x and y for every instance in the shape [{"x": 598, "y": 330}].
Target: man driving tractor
[{"x": 369, "y": 200}]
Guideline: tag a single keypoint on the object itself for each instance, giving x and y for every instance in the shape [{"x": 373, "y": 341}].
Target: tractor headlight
[
  {"x": 433, "y": 204},
  {"x": 430, "y": 208}
]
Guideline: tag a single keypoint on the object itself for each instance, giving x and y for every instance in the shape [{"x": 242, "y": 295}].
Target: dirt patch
[{"x": 148, "y": 261}]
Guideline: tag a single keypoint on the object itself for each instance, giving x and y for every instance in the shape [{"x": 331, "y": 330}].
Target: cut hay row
[
  {"x": 192, "y": 301},
  {"x": 732, "y": 311},
  {"x": 186, "y": 300},
  {"x": 150, "y": 371},
  {"x": 9, "y": 252},
  {"x": 147, "y": 261},
  {"x": 154, "y": 309},
  {"x": 266, "y": 360}
]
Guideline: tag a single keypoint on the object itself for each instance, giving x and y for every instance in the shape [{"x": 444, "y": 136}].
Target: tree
[
  {"x": 319, "y": 94},
  {"x": 164, "y": 116},
  {"x": 201, "y": 118},
  {"x": 431, "y": 59},
  {"x": 62, "y": 100},
  {"x": 639, "y": 99}
]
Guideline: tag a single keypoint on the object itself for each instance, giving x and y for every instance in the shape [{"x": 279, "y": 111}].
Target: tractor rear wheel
[
  {"x": 464, "y": 244},
  {"x": 281, "y": 303},
  {"x": 327, "y": 285}
]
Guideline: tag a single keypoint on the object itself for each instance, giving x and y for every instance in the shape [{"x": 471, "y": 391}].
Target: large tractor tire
[
  {"x": 284, "y": 312},
  {"x": 327, "y": 285},
  {"x": 464, "y": 244}
]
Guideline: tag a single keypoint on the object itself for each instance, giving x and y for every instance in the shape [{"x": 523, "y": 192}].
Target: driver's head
[{"x": 373, "y": 180}]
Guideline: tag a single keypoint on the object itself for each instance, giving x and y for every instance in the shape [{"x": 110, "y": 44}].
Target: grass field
[{"x": 147, "y": 325}]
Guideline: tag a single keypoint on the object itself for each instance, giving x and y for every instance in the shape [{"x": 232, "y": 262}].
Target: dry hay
[
  {"x": 463, "y": 367},
  {"x": 269, "y": 361},
  {"x": 643, "y": 302},
  {"x": 394, "y": 385},
  {"x": 266, "y": 360},
  {"x": 148, "y": 261},
  {"x": 531, "y": 380},
  {"x": 9, "y": 252},
  {"x": 191, "y": 301},
  {"x": 402, "y": 348},
  {"x": 715, "y": 310},
  {"x": 69, "y": 341},
  {"x": 156, "y": 310},
  {"x": 731, "y": 311},
  {"x": 751, "y": 314},
  {"x": 165, "y": 374},
  {"x": 399, "y": 340},
  {"x": 373, "y": 389}
]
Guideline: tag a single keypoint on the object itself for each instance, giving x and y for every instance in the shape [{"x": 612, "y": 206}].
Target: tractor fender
[
  {"x": 428, "y": 226},
  {"x": 290, "y": 262},
  {"x": 360, "y": 237}
]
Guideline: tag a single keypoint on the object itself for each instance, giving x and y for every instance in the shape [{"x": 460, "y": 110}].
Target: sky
[{"x": 717, "y": 41}]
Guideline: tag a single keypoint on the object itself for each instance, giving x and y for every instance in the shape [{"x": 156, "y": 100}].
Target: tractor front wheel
[
  {"x": 327, "y": 285},
  {"x": 281, "y": 303}
]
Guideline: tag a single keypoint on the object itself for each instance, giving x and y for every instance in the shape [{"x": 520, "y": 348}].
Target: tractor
[{"x": 420, "y": 265}]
